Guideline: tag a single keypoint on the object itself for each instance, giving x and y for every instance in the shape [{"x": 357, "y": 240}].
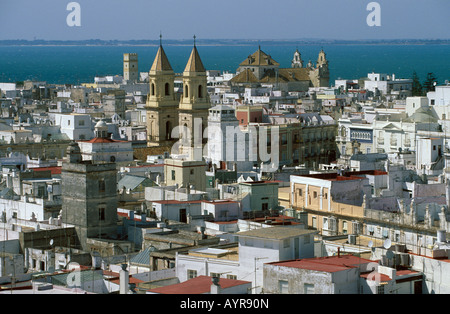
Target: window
[
  {"x": 101, "y": 213},
  {"x": 231, "y": 277},
  {"x": 200, "y": 91},
  {"x": 192, "y": 171},
  {"x": 101, "y": 186},
  {"x": 300, "y": 192},
  {"x": 214, "y": 275},
  {"x": 186, "y": 91},
  {"x": 314, "y": 222},
  {"x": 81, "y": 122},
  {"x": 286, "y": 243},
  {"x": 173, "y": 174},
  {"x": 380, "y": 289},
  {"x": 308, "y": 288},
  {"x": 315, "y": 194},
  {"x": 191, "y": 273},
  {"x": 152, "y": 89},
  {"x": 344, "y": 227},
  {"x": 283, "y": 286},
  {"x": 167, "y": 89}
]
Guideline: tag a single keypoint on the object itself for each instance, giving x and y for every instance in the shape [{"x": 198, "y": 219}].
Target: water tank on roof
[
  {"x": 404, "y": 259},
  {"x": 441, "y": 236},
  {"x": 352, "y": 239}
]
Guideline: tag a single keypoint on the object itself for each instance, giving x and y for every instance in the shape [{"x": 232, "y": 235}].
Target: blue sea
[{"x": 80, "y": 64}]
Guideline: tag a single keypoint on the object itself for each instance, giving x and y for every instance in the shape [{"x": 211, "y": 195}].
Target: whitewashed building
[
  {"x": 75, "y": 126},
  {"x": 245, "y": 262}
]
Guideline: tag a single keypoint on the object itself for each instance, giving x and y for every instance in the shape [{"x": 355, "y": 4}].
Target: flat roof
[
  {"x": 176, "y": 202},
  {"x": 276, "y": 233},
  {"x": 327, "y": 264},
  {"x": 198, "y": 285}
]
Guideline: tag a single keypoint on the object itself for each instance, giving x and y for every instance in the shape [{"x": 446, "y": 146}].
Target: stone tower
[
  {"x": 89, "y": 196},
  {"x": 194, "y": 103},
  {"x": 130, "y": 67},
  {"x": 297, "y": 61},
  {"x": 162, "y": 103},
  {"x": 320, "y": 75},
  {"x": 322, "y": 68}
]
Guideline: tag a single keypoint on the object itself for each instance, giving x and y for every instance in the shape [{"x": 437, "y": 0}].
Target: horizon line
[{"x": 237, "y": 39}]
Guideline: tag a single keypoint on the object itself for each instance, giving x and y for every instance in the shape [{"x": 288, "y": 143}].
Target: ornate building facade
[{"x": 259, "y": 68}]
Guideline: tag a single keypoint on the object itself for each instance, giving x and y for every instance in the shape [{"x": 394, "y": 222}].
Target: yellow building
[
  {"x": 162, "y": 102},
  {"x": 334, "y": 202}
]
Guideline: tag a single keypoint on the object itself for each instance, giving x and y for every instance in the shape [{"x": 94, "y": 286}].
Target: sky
[{"x": 224, "y": 19}]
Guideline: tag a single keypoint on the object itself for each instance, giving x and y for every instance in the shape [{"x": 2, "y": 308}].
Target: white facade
[
  {"x": 226, "y": 141},
  {"x": 221, "y": 210},
  {"x": 174, "y": 210},
  {"x": 414, "y": 103},
  {"x": 109, "y": 150},
  {"x": 256, "y": 247},
  {"x": 75, "y": 126},
  {"x": 16, "y": 136},
  {"x": 387, "y": 84},
  {"x": 428, "y": 155}
]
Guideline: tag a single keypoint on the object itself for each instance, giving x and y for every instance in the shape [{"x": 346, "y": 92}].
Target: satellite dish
[
  {"x": 387, "y": 244},
  {"x": 370, "y": 244},
  {"x": 51, "y": 242}
]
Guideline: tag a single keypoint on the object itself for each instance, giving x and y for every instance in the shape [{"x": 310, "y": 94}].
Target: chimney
[
  {"x": 124, "y": 279},
  {"x": 215, "y": 286},
  {"x": 339, "y": 252},
  {"x": 201, "y": 230}
]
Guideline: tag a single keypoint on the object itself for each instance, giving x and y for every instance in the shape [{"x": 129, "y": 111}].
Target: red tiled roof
[
  {"x": 197, "y": 285},
  {"x": 225, "y": 222},
  {"x": 54, "y": 170},
  {"x": 376, "y": 276},
  {"x": 130, "y": 280},
  {"x": 103, "y": 140},
  {"x": 220, "y": 202},
  {"x": 147, "y": 166},
  {"x": 329, "y": 264},
  {"x": 175, "y": 202}
]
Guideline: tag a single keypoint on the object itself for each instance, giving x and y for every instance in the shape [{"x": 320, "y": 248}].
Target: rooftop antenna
[
  {"x": 194, "y": 39},
  {"x": 160, "y": 38}
]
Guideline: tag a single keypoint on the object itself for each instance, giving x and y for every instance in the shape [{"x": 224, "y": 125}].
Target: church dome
[
  {"x": 101, "y": 124},
  {"x": 101, "y": 129}
]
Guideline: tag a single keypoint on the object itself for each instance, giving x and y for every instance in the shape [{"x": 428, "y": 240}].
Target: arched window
[
  {"x": 186, "y": 91},
  {"x": 168, "y": 130},
  {"x": 152, "y": 89},
  {"x": 200, "y": 91},
  {"x": 167, "y": 89}
]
